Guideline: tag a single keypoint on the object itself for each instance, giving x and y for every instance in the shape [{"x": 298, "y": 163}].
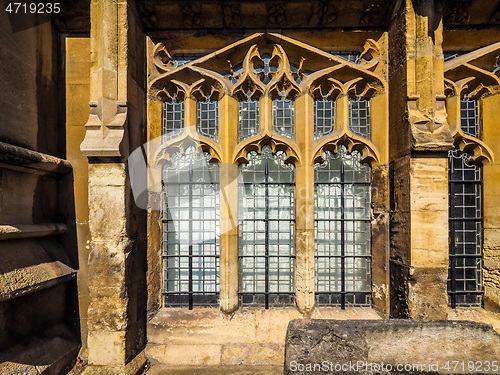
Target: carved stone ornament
[
  {"x": 475, "y": 74},
  {"x": 273, "y": 65}
]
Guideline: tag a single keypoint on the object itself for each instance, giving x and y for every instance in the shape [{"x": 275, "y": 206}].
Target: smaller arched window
[
  {"x": 208, "y": 118},
  {"x": 173, "y": 119},
  {"x": 342, "y": 230},
  {"x": 324, "y": 117},
  {"x": 284, "y": 116},
  {"x": 267, "y": 229},
  {"x": 469, "y": 116},
  {"x": 248, "y": 119},
  {"x": 359, "y": 117},
  {"x": 465, "y": 225}
]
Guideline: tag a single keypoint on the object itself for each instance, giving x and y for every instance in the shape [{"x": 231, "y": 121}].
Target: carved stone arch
[
  {"x": 162, "y": 58},
  {"x": 277, "y": 143},
  {"x": 189, "y": 80},
  {"x": 368, "y": 151},
  {"x": 346, "y": 78},
  {"x": 189, "y": 138},
  {"x": 479, "y": 151},
  {"x": 283, "y": 79},
  {"x": 249, "y": 80}
]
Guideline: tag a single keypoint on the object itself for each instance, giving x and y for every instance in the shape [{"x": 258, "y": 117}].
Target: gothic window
[
  {"x": 191, "y": 231},
  {"x": 324, "y": 117},
  {"x": 208, "y": 118},
  {"x": 342, "y": 230},
  {"x": 464, "y": 277},
  {"x": 469, "y": 116},
  {"x": 173, "y": 119},
  {"x": 267, "y": 230},
  {"x": 359, "y": 117},
  {"x": 262, "y": 87},
  {"x": 284, "y": 116},
  {"x": 248, "y": 121}
]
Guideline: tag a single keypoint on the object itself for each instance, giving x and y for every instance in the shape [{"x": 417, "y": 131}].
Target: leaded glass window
[
  {"x": 469, "y": 116},
  {"x": 464, "y": 277},
  {"x": 191, "y": 231},
  {"x": 324, "y": 117},
  {"x": 208, "y": 118},
  {"x": 359, "y": 117},
  {"x": 173, "y": 119},
  {"x": 248, "y": 121},
  {"x": 284, "y": 116},
  {"x": 342, "y": 230},
  {"x": 267, "y": 230}
]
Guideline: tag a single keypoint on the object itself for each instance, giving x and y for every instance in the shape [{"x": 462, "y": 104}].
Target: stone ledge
[
  {"x": 51, "y": 356},
  {"x": 313, "y": 341}
]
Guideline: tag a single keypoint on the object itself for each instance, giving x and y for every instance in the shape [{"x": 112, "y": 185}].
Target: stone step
[{"x": 215, "y": 370}]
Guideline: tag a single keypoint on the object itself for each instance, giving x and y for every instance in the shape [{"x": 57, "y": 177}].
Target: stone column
[
  {"x": 304, "y": 212},
  {"x": 228, "y": 203},
  {"x": 420, "y": 138},
  {"x": 116, "y": 315}
]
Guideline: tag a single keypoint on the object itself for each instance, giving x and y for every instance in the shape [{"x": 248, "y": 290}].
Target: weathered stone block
[{"x": 361, "y": 347}]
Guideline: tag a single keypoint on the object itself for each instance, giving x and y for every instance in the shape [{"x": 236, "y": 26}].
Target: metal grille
[
  {"x": 469, "y": 116},
  {"x": 191, "y": 231},
  {"x": 267, "y": 230},
  {"x": 208, "y": 119},
  {"x": 342, "y": 230},
  {"x": 324, "y": 117},
  {"x": 283, "y": 117},
  {"x": 248, "y": 123},
  {"x": 359, "y": 117},
  {"x": 173, "y": 119},
  {"x": 184, "y": 58},
  {"x": 464, "y": 277}
]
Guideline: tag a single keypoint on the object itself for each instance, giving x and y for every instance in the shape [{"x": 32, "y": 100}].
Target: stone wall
[{"x": 38, "y": 296}]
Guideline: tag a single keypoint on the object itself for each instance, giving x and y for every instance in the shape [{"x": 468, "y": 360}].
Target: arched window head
[
  {"x": 342, "y": 230},
  {"x": 267, "y": 230}
]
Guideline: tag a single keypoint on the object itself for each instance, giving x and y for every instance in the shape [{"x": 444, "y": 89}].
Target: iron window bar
[{"x": 465, "y": 225}]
